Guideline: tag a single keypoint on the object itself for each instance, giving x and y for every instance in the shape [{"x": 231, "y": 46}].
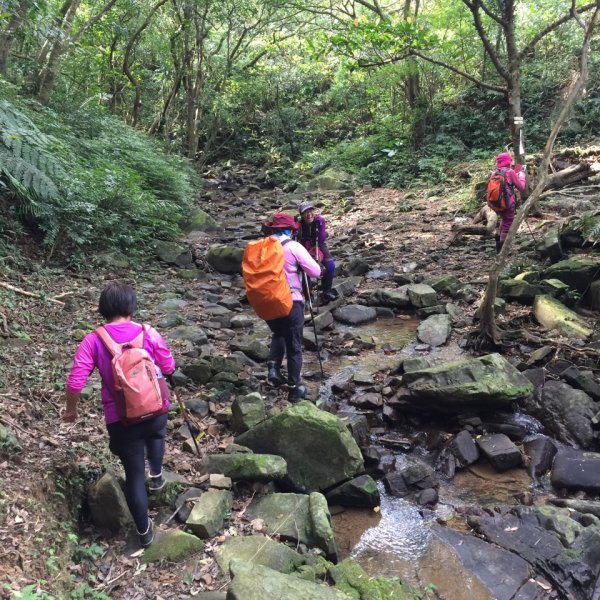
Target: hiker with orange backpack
[
  {"x": 131, "y": 359},
  {"x": 501, "y": 196},
  {"x": 272, "y": 270}
]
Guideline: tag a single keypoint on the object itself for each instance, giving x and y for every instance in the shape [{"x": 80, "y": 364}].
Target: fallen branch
[
  {"x": 485, "y": 215},
  {"x": 39, "y": 296}
]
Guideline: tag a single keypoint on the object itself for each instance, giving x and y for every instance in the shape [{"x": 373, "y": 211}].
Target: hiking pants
[
  {"x": 132, "y": 444},
  {"x": 507, "y": 217},
  {"x": 287, "y": 341}
]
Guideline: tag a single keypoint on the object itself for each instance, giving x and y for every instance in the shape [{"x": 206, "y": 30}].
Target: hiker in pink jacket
[
  {"x": 514, "y": 178},
  {"x": 132, "y": 443},
  {"x": 287, "y": 331}
]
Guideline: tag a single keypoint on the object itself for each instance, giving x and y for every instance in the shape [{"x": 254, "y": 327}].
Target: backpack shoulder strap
[
  {"x": 113, "y": 347},
  {"x": 286, "y": 241}
]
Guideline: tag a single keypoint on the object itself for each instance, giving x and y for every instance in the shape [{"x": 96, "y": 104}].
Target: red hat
[{"x": 282, "y": 220}]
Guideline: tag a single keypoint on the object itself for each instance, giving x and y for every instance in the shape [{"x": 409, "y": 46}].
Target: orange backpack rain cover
[{"x": 267, "y": 287}]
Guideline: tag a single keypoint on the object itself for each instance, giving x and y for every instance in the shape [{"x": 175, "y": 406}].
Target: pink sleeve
[
  {"x": 162, "y": 355},
  {"x": 517, "y": 178},
  {"x": 305, "y": 261},
  {"x": 83, "y": 364}
]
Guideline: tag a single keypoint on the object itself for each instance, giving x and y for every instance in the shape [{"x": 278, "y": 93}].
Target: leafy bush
[{"x": 86, "y": 179}]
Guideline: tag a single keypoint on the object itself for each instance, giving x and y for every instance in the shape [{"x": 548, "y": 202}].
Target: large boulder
[
  {"x": 249, "y": 467},
  {"x": 565, "y": 412},
  {"x": 108, "y": 504},
  {"x": 255, "y": 582},
  {"x": 577, "y": 272},
  {"x": 173, "y": 253},
  {"x": 304, "y": 435},
  {"x": 488, "y": 382},
  {"x": 209, "y": 513},
  {"x": 576, "y": 470},
  {"x": 392, "y": 298},
  {"x": 225, "y": 259},
  {"x": 247, "y": 411},
  {"x": 173, "y": 546},
  {"x": 355, "y": 314},
  {"x": 554, "y": 315},
  {"x": 435, "y": 330},
  {"x": 299, "y": 518}
]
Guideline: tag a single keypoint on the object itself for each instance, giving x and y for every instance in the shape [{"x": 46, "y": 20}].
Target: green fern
[{"x": 26, "y": 165}]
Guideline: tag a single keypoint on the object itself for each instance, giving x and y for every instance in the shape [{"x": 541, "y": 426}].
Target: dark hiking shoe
[
  {"x": 329, "y": 296},
  {"x": 296, "y": 393},
  {"x": 274, "y": 376},
  {"x": 156, "y": 483},
  {"x": 147, "y": 537}
]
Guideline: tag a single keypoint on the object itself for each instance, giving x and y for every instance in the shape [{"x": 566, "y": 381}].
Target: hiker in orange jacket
[{"x": 287, "y": 331}]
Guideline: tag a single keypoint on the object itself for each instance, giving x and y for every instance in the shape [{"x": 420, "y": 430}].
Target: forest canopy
[{"x": 99, "y": 99}]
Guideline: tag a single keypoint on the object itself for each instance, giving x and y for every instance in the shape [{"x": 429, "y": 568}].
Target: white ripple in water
[{"x": 401, "y": 530}]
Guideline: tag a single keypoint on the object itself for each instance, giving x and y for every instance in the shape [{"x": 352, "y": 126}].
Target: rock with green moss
[
  {"x": 225, "y": 259},
  {"x": 209, "y": 513},
  {"x": 247, "y": 411},
  {"x": 350, "y": 578},
  {"x": 173, "y": 545},
  {"x": 250, "y": 467},
  {"x": 577, "y": 272},
  {"x": 200, "y": 221},
  {"x": 173, "y": 253},
  {"x": 298, "y": 518},
  {"x": 554, "y": 315},
  {"x": 255, "y": 582},
  {"x": 9, "y": 444},
  {"x": 361, "y": 492},
  {"x": 261, "y": 550},
  {"x": 108, "y": 505},
  {"x": 303, "y": 435},
  {"x": 517, "y": 290},
  {"x": 488, "y": 382}
]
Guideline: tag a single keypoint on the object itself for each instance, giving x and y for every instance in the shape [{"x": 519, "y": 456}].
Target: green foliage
[{"x": 90, "y": 181}]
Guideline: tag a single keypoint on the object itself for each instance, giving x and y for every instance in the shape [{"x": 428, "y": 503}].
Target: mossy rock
[{"x": 172, "y": 546}]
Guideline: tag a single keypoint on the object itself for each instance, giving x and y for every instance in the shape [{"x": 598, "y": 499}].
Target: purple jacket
[
  {"x": 296, "y": 256},
  {"x": 92, "y": 354},
  {"x": 308, "y": 232}
]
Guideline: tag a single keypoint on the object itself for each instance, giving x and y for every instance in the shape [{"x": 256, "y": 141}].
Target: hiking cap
[
  {"x": 304, "y": 206},
  {"x": 282, "y": 220},
  {"x": 504, "y": 159}
]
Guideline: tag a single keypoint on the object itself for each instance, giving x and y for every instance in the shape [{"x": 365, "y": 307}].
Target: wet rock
[
  {"x": 392, "y": 298},
  {"x": 323, "y": 320},
  {"x": 247, "y": 411},
  {"x": 363, "y": 378},
  {"x": 428, "y": 498},
  {"x": 488, "y": 381},
  {"x": 410, "y": 479},
  {"x": 360, "y": 492},
  {"x": 355, "y": 314},
  {"x": 434, "y": 330},
  {"x": 357, "y": 425},
  {"x": 303, "y": 435},
  {"x": 576, "y": 470},
  {"x": 554, "y": 315},
  {"x": 500, "y": 451},
  {"x": 255, "y": 582},
  {"x": 298, "y": 518},
  {"x": 108, "y": 505},
  {"x": 541, "y": 451},
  {"x": 173, "y": 546},
  {"x": 259, "y": 550},
  {"x": 565, "y": 412},
  {"x": 209, "y": 513},
  {"x": 225, "y": 259},
  {"x": 582, "y": 380},
  {"x": 422, "y": 295},
  {"x": 464, "y": 449}
]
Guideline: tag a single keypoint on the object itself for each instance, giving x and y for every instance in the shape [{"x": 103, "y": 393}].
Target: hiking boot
[
  {"x": 329, "y": 296},
  {"x": 274, "y": 376},
  {"x": 296, "y": 393},
  {"x": 499, "y": 243},
  {"x": 147, "y": 537},
  {"x": 156, "y": 482}
]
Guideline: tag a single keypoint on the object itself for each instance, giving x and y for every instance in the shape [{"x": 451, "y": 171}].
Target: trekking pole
[
  {"x": 312, "y": 318},
  {"x": 531, "y": 232},
  {"x": 184, "y": 412},
  {"x": 317, "y": 259}
]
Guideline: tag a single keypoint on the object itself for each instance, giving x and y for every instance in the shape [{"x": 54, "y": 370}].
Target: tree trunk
[
  {"x": 488, "y": 330},
  {"x": 8, "y": 35}
]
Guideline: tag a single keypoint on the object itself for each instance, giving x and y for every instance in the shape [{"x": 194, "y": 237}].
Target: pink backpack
[{"x": 135, "y": 376}]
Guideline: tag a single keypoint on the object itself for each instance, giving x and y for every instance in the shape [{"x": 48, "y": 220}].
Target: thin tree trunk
[
  {"x": 7, "y": 37},
  {"x": 488, "y": 330}
]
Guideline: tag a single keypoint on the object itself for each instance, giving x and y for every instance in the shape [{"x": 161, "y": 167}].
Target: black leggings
[
  {"x": 132, "y": 444},
  {"x": 287, "y": 340}
]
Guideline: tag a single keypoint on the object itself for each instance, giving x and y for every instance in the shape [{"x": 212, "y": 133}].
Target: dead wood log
[
  {"x": 485, "y": 215},
  {"x": 570, "y": 175},
  {"x": 39, "y": 296}
]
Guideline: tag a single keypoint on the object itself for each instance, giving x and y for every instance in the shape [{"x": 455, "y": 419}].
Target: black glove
[{"x": 171, "y": 380}]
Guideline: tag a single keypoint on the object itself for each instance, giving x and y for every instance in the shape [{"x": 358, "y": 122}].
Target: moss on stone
[{"x": 172, "y": 546}]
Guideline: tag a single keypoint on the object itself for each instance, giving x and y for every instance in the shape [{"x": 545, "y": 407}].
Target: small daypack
[
  {"x": 267, "y": 287},
  {"x": 139, "y": 396},
  {"x": 497, "y": 195}
]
